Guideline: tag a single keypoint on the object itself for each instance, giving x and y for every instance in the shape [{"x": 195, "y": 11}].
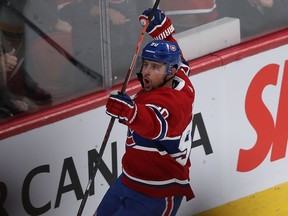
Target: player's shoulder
[
  {"x": 184, "y": 68},
  {"x": 181, "y": 80}
]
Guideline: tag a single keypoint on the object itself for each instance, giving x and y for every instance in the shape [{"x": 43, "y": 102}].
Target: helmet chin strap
[
  {"x": 167, "y": 80},
  {"x": 140, "y": 76}
]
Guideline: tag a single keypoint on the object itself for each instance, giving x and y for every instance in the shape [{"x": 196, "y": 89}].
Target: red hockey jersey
[{"x": 156, "y": 162}]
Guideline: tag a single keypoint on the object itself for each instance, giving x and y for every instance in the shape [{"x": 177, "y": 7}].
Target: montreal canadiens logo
[{"x": 173, "y": 47}]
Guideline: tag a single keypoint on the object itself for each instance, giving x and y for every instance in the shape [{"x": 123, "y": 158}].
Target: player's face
[{"x": 153, "y": 74}]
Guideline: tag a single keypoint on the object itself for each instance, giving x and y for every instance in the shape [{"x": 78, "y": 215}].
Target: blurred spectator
[
  {"x": 8, "y": 61},
  {"x": 187, "y": 14},
  {"x": 86, "y": 42},
  {"x": 257, "y": 16},
  {"x": 44, "y": 14},
  {"x": 84, "y": 16},
  {"x": 13, "y": 36},
  {"x": 47, "y": 51},
  {"x": 9, "y": 103}
]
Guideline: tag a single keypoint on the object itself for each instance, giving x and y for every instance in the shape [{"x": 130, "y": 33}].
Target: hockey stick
[{"x": 112, "y": 120}]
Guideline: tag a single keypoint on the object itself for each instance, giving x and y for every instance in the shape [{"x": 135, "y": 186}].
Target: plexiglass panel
[{"x": 55, "y": 51}]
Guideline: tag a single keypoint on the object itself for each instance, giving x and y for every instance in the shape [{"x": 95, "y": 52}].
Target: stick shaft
[
  {"x": 95, "y": 168},
  {"x": 134, "y": 59}
]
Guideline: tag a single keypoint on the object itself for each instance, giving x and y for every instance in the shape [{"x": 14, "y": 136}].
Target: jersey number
[{"x": 185, "y": 144}]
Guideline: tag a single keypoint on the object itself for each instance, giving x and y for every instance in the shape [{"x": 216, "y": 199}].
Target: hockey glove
[
  {"x": 121, "y": 106},
  {"x": 160, "y": 26}
]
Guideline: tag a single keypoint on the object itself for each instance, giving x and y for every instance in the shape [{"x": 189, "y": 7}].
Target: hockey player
[{"x": 155, "y": 175}]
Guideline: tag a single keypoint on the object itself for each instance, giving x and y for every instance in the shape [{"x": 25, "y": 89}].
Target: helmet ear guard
[{"x": 163, "y": 51}]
